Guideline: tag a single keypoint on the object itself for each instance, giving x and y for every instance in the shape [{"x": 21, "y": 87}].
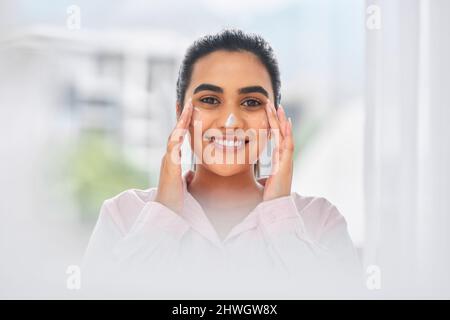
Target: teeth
[{"x": 229, "y": 143}]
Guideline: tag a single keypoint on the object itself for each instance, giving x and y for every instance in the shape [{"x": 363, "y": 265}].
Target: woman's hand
[
  {"x": 170, "y": 187},
  {"x": 278, "y": 184}
]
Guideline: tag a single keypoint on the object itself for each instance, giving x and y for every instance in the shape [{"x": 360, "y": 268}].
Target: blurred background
[{"x": 87, "y": 100}]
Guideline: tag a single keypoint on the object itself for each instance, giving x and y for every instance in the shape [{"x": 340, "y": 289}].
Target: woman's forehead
[{"x": 230, "y": 70}]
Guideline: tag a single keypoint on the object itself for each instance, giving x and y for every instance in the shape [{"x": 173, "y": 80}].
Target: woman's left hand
[{"x": 278, "y": 184}]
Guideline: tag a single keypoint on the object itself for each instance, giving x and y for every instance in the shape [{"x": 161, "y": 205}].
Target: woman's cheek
[
  {"x": 258, "y": 120},
  {"x": 259, "y": 138},
  {"x": 263, "y": 124}
]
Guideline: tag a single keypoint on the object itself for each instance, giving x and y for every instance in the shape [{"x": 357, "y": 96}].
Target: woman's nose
[{"x": 230, "y": 120}]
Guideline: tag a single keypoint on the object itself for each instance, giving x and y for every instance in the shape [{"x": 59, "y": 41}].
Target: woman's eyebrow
[
  {"x": 212, "y": 87},
  {"x": 253, "y": 89},
  {"x": 208, "y": 87}
]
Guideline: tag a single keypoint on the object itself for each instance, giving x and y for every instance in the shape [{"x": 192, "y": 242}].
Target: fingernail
[{"x": 290, "y": 120}]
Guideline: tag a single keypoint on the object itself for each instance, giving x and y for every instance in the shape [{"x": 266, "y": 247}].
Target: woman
[{"x": 219, "y": 221}]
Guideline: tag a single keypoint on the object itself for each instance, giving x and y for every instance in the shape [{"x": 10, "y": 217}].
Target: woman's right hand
[{"x": 170, "y": 186}]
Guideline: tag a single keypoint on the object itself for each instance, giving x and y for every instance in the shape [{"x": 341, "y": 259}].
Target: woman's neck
[
  {"x": 226, "y": 201},
  {"x": 218, "y": 192}
]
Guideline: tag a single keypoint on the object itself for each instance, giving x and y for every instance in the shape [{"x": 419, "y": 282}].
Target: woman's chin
[{"x": 227, "y": 170}]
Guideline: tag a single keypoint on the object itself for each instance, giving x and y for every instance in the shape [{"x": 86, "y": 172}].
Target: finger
[
  {"x": 185, "y": 117},
  {"x": 289, "y": 134},
  {"x": 282, "y": 119},
  {"x": 182, "y": 124},
  {"x": 177, "y": 135},
  {"x": 275, "y": 160},
  {"x": 272, "y": 117},
  {"x": 289, "y": 139},
  {"x": 273, "y": 123}
]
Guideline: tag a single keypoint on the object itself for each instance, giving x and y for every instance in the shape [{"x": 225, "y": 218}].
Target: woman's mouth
[{"x": 228, "y": 143}]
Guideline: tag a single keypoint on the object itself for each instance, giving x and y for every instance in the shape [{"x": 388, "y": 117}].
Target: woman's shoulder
[
  {"x": 124, "y": 208},
  {"x": 318, "y": 213},
  {"x": 314, "y": 205}
]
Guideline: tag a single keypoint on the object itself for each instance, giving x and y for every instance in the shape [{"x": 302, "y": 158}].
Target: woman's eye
[
  {"x": 209, "y": 100},
  {"x": 252, "y": 103}
]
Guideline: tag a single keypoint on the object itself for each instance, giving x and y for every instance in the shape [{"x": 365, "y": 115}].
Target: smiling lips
[{"x": 227, "y": 142}]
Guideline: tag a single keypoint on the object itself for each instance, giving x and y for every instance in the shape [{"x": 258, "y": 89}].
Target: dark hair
[{"x": 229, "y": 40}]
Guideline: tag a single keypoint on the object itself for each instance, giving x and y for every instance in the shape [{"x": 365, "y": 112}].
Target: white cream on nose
[{"x": 230, "y": 120}]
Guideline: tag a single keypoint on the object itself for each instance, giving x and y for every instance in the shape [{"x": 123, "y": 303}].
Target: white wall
[{"x": 407, "y": 147}]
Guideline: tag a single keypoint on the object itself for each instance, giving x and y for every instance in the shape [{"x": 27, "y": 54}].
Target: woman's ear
[{"x": 262, "y": 181}]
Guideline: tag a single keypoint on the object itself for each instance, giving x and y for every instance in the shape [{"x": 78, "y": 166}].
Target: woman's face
[{"x": 229, "y": 127}]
